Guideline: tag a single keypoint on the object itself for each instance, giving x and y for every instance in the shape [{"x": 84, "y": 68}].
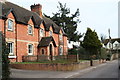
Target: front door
[{"x": 50, "y": 49}]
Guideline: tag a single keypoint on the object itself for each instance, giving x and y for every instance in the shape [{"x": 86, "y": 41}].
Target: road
[{"x": 106, "y": 70}]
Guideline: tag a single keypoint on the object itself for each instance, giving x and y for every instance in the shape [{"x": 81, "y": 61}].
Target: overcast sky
[{"x": 99, "y": 15}]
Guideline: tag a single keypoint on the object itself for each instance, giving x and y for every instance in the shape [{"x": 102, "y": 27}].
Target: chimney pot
[{"x": 37, "y": 8}]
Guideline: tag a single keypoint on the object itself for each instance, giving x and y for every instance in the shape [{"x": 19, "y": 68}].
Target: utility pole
[{"x": 109, "y": 41}]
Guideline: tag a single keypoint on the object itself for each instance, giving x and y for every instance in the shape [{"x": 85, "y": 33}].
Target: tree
[
  {"x": 68, "y": 23},
  {"x": 91, "y": 43},
  {"x": 5, "y": 60}
]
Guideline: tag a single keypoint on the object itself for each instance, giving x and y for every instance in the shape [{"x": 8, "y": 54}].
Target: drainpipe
[{"x": 5, "y": 29}]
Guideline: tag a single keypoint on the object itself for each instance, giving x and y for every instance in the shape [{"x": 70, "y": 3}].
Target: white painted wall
[{"x": 70, "y": 45}]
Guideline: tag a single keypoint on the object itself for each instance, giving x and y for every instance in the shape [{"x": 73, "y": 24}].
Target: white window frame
[
  {"x": 30, "y": 53},
  {"x": 60, "y": 50},
  {"x": 60, "y": 37},
  {"x": 11, "y": 53},
  {"x": 30, "y": 31},
  {"x": 42, "y": 33},
  {"x": 10, "y": 29},
  {"x": 50, "y": 33}
]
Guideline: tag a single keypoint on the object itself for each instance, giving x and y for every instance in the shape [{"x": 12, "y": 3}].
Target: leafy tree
[
  {"x": 91, "y": 43},
  {"x": 103, "y": 53},
  {"x": 67, "y": 21},
  {"x": 5, "y": 60}
]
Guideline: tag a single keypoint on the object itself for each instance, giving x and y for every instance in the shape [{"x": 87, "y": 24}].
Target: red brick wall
[
  {"x": 65, "y": 45},
  {"x": 1, "y": 25},
  {"x": 20, "y": 32}
]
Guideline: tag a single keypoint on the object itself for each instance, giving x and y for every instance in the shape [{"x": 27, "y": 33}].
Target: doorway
[{"x": 50, "y": 49}]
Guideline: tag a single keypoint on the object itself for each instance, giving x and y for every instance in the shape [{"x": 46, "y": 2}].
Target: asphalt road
[{"x": 108, "y": 70}]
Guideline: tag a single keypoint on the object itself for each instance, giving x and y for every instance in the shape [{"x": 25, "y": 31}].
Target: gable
[
  {"x": 45, "y": 41},
  {"x": 61, "y": 31},
  {"x": 30, "y": 22},
  {"x": 116, "y": 42},
  {"x": 10, "y": 15},
  {"x": 51, "y": 28}
]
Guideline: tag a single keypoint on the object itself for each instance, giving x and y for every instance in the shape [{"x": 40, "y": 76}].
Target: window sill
[
  {"x": 30, "y": 54},
  {"x": 12, "y": 56},
  {"x": 10, "y": 30},
  {"x": 30, "y": 34}
]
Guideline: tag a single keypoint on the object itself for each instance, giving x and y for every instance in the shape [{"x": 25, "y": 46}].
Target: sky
[{"x": 99, "y": 15}]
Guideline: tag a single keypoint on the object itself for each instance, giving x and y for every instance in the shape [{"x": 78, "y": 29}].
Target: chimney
[
  {"x": 37, "y": 8},
  {"x": 2, "y": 1}
]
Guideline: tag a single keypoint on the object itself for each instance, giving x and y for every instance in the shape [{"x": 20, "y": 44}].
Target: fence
[{"x": 38, "y": 58}]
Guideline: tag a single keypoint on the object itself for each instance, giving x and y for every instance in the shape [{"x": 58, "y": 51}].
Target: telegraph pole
[{"x": 109, "y": 41}]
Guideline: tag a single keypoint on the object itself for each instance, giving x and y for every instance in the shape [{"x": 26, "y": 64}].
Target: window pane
[
  {"x": 60, "y": 36},
  {"x": 30, "y": 29},
  {"x": 50, "y": 33},
  {"x": 30, "y": 48},
  {"x": 10, "y": 24},
  {"x": 10, "y": 47},
  {"x": 61, "y": 50},
  {"x": 41, "y": 32}
]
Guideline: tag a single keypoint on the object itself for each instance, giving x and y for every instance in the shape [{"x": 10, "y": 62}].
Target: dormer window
[
  {"x": 50, "y": 33},
  {"x": 42, "y": 33},
  {"x": 60, "y": 37},
  {"x": 30, "y": 30},
  {"x": 10, "y": 24}
]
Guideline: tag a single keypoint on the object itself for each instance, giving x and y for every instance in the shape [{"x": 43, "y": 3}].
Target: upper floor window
[
  {"x": 60, "y": 36},
  {"x": 10, "y": 24},
  {"x": 42, "y": 33},
  {"x": 30, "y": 30},
  {"x": 50, "y": 33},
  {"x": 10, "y": 48},
  {"x": 30, "y": 49}
]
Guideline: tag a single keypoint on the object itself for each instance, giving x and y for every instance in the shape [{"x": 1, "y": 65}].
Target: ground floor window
[
  {"x": 61, "y": 50},
  {"x": 10, "y": 48},
  {"x": 30, "y": 49}
]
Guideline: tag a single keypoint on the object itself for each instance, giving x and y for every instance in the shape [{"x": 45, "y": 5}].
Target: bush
[
  {"x": 5, "y": 60},
  {"x": 83, "y": 54},
  {"x": 72, "y": 51},
  {"x": 103, "y": 53},
  {"x": 109, "y": 56}
]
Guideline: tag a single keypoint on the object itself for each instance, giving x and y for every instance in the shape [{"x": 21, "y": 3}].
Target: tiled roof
[
  {"x": 112, "y": 40},
  {"x": 23, "y": 15},
  {"x": 45, "y": 41}
]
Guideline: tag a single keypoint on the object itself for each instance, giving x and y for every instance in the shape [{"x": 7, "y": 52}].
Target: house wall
[
  {"x": 65, "y": 47},
  {"x": 11, "y": 35},
  {"x": 20, "y": 37},
  {"x": 1, "y": 25}
]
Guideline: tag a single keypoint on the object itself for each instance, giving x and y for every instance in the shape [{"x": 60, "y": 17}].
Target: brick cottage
[{"x": 29, "y": 33}]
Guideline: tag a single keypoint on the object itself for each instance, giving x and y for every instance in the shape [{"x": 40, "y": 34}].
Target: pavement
[
  {"x": 108, "y": 70},
  {"x": 17, "y": 73}
]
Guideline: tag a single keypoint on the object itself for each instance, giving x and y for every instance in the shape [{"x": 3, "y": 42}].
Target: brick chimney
[{"x": 37, "y": 8}]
